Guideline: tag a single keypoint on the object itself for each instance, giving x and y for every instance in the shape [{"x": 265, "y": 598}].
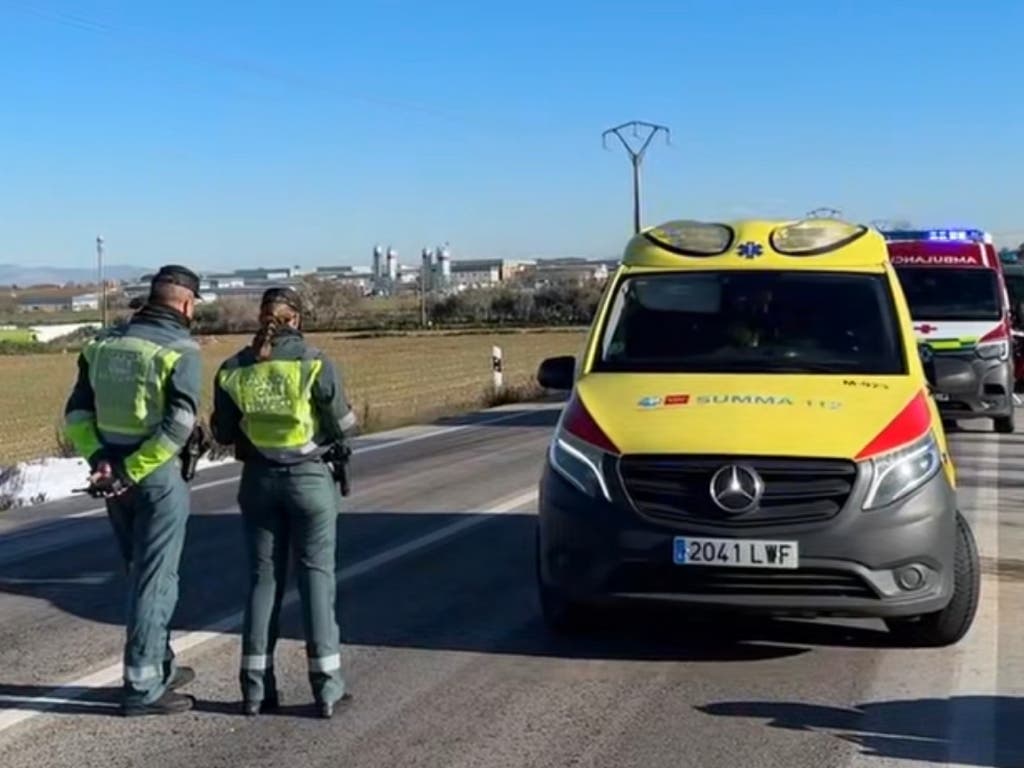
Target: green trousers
[
  {"x": 290, "y": 510},
  {"x": 149, "y": 523}
]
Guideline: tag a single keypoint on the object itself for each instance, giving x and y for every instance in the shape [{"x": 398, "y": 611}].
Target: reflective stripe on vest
[
  {"x": 275, "y": 398},
  {"x": 129, "y": 381}
]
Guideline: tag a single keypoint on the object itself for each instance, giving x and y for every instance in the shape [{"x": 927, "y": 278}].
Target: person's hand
[{"x": 107, "y": 482}]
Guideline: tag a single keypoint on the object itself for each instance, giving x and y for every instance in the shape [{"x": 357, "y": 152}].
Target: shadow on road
[
  {"x": 988, "y": 731},
  {"x": 69, "y": 701},
  {"x": 513, "y": 417},
  {"x": 472, "y": 592}
]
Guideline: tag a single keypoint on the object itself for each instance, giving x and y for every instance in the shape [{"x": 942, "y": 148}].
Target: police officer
[
  {"x": 131, "y": 412},
  {"x": 280, "y": 402}
]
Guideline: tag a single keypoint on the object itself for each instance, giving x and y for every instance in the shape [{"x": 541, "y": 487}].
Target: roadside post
[{"x": 497, "y": 369}]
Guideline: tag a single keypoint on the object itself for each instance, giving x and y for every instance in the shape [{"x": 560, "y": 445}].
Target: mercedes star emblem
[{"x": 736, "y": 488}]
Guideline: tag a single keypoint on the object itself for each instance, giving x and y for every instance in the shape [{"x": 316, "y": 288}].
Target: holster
[
  {"x": 337, "y": 459},
  {"x": 199, "y": 442}
]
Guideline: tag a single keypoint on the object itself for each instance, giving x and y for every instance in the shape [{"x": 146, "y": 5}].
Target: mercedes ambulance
[
  {"x": 750, "y": 428},
  {"x": 953, "y": 282}
]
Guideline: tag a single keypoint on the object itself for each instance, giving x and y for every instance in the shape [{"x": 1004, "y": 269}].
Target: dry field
[{"x": 391, "y": 380}]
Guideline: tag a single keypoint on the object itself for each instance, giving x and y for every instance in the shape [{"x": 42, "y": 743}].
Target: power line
[{"x": 636, "y": 153}]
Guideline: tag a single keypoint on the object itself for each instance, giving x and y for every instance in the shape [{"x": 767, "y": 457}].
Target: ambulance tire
[
  {"x": 948, "y": 626},
  {"x": 561, "y": 615},
  {"x": 1005, "y": 425}
]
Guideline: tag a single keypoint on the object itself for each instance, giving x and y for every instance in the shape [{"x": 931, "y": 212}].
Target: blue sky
[{"x": 273, "y": 132}]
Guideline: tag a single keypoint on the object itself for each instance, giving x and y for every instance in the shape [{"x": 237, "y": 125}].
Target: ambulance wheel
[
  {"x": 1005, "y": 425},
  {"x": 948, "y": 626},
  {"x": 561, "y": 615}
]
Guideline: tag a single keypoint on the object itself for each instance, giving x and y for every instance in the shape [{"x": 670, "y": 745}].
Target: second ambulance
[{"x": 953, "y": 282}]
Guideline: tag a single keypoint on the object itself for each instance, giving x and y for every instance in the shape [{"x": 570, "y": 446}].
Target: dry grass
[{"x": 391, "y": 380}]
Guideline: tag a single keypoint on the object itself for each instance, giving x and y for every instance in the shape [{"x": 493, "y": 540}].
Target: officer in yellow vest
[
  {"x": 130, "y": 414},
  {"x": 280, "y": 402}
]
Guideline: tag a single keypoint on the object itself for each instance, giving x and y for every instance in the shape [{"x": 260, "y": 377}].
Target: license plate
[
  {"x": 941, "y": 397},
  {"x": 736, "y": 553}
]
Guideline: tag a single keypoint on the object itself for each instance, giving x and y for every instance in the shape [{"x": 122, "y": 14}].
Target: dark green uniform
[
  {"x": 282, "y": 415},
  {"x": 134, "y": 404}
]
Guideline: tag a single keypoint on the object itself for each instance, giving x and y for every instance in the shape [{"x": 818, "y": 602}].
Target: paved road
[{"x": 451, "y": 665}]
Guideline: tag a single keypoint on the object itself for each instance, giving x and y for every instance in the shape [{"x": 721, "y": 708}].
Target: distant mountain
[{"x": 15, "y": 274}]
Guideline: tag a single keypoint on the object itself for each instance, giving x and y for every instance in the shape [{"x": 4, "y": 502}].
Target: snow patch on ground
[
  {"x": 35, "y": 482},
  {"x": 45, "y": 333}
]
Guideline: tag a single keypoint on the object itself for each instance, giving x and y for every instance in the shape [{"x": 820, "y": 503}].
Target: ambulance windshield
[
  {"x": 944, "y": 293},
  {"x": 756, "y": 321}
]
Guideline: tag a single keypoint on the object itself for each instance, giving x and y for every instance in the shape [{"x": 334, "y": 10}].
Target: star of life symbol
[{"x": 750, "y": 250}]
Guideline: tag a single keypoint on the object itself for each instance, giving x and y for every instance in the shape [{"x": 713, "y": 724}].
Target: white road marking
[
  {"x": 977, "y": 657},
  {"x": 111, "y": 674},
  {"x": 95, "y": 511}
]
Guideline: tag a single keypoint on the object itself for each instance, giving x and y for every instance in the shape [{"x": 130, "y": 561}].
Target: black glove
[{"x": 110, "y": 481}]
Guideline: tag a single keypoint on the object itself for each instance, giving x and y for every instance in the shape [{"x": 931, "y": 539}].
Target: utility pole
[
  {"x": 103, "y": 283},
  {"x": 423, "y": 300},
  {"x": 644, "y": 133}
]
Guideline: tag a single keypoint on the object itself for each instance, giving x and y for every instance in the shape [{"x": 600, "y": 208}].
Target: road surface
[{"x": 450, "y": 663}]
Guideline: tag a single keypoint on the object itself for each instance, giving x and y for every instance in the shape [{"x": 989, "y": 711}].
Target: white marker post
[{"x": 497, "y": 368}]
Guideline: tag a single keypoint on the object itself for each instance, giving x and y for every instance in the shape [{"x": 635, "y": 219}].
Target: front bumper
[
  {"x": 593, "y": 551},
  {"x": 968, "y": 386}
]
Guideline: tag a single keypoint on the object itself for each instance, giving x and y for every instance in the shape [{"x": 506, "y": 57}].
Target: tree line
[{"x": 329, "y": 306}]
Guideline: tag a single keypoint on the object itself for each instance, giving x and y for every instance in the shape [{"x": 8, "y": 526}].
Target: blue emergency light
[{"x": 941, "y": 235}]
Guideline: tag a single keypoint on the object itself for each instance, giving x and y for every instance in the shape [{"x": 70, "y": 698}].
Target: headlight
[
  {"x": 579, "y": 463},
  {"x": 900, "y": 472},
  {"x": 997, "y": 350},
  {"x": 811, "y": 237}
]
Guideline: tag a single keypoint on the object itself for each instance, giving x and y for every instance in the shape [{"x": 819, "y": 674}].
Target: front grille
[
  {"x": 706, "y": 580},
  {"x": 677, "y": 489}
]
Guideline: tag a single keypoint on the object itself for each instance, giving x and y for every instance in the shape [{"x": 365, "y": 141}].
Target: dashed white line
[{"x": 973, "y": 726}]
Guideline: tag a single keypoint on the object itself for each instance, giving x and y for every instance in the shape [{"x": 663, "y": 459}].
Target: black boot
[
  {"x": 326, "y": 709},
  {"x": 270, "y": 704},
  {"x": 182, "y": 677},
  {"x": 169, "y": 704}
]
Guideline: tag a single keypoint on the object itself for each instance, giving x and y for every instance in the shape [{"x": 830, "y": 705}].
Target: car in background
[
  {"x": 1013, "y": 273},
  {"x": 750, "y": 429}
]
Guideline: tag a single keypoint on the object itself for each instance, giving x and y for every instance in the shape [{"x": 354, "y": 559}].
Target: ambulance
[
  {"x": 749, "y": 428},
  {"x": 953, "y": 281}
]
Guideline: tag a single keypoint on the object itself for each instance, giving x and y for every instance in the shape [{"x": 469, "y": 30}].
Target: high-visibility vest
[
  {"x": 275, "y": 399},
  {"x": 129, "y": 379}
]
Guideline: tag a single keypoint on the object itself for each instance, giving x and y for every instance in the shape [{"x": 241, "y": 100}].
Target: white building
[{"x": 85, "y": 302}]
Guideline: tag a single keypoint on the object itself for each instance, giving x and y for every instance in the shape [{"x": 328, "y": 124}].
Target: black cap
[
  {"x": 287, "y": 296},
  {"x": 178, "y": 275}
]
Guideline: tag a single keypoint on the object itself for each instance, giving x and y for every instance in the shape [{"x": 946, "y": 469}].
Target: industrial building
[{"x": 437, "y": 272}]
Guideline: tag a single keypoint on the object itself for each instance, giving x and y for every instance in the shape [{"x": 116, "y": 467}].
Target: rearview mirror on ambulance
[{"x": 557, "y": 372}]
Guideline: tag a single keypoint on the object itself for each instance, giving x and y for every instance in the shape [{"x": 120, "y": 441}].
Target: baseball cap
[{"x": 178, "y": 275}]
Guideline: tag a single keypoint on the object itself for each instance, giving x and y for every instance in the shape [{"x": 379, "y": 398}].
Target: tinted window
[
  {"x": 941, "y": 293},
  {"x": 753, "y": 322},
  {"x": 1015, "y": 287}
]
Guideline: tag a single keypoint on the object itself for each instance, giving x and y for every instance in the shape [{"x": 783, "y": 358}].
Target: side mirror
[
  {"x": 928, "y": 362},
  {"x": 557, "y": 372}
]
